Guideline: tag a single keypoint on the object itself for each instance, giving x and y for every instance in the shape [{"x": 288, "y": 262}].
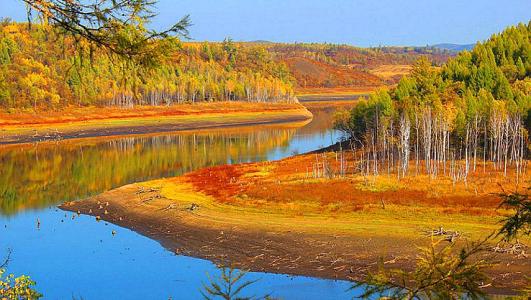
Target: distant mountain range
[
  {"x": 261, "y": 42},
  {"x": 445, "y": 46},
  {"x": 454, "y": 47}
]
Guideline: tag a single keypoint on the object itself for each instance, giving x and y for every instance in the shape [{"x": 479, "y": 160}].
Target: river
[{"x": 76, "y": 257}]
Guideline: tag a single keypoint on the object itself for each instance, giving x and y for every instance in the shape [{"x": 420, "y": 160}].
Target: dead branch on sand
[{"x": 448, "y": 235}]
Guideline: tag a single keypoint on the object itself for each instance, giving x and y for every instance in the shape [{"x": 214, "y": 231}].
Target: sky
[{"x": 355, "y": 22}]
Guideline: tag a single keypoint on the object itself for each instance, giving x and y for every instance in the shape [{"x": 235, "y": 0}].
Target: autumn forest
[{"x": 40, "y": 69}]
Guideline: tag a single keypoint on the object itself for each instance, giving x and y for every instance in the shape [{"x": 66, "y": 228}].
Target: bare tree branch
[
  {"x": 115, "y": 25},
  {"x": 6, "y": 259}
]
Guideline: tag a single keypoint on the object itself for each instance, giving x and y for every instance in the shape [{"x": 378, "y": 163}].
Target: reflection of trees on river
[
  {"x": 48, "y": 174},
  {"x": 323, "y": 119}
]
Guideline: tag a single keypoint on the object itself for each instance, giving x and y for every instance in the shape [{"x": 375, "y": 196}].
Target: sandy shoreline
[
  {"x": 326, "y": 254},
  {"x": 187, "y": 232}
]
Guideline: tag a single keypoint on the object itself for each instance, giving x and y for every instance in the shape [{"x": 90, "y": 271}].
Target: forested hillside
[
  {"x": 42, "y": 69},
  {"x": 474, "y": 108},
  {"x": 328, "y": 65}
]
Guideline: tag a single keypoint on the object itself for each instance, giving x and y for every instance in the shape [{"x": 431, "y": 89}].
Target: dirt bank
[{"x": 95, "y": 122}]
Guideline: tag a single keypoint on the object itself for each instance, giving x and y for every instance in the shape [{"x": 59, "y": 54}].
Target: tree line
[
  {"x": 475, "y": 109},
  {"x": 42, "y": 68}
]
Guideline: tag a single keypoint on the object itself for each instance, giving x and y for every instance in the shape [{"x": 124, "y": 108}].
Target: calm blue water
[{"x": 81, "y": 258}]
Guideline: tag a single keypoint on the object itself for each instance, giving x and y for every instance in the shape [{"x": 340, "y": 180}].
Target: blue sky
[{"x": 356, "y": 22}]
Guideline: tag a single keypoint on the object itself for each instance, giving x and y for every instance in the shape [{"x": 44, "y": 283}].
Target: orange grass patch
[
  {"x": 289, "y": 183},
  {"x": 220, "y": 181}
]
